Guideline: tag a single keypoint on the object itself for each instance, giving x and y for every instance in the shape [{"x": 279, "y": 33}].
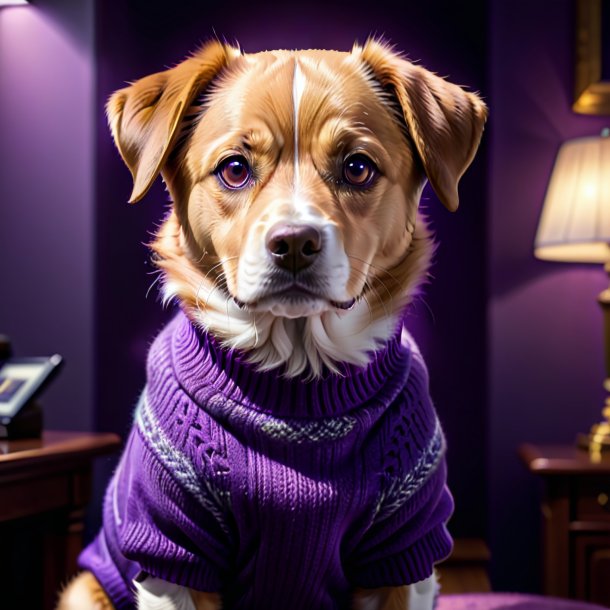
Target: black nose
[{"x": 293, "y": 247}]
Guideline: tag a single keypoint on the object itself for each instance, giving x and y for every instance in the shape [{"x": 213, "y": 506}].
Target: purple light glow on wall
[{"x": 46, "y": 190}]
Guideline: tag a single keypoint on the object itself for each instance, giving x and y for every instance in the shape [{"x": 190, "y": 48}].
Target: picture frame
[
  {"x": 592, "y": 92},
  {"x": 21, "y": 380}
]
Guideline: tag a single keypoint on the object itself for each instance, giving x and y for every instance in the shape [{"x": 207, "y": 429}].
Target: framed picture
[
  {"x": 592, "y": 82},
  {"x": 21, "y": 379}
]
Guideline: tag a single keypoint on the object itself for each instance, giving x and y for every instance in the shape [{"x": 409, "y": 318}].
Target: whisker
[
  {"x": 386, "y": 313},
  {"x": 220, "y": 285},
  {"x": 371, "y": 288},
  {"x": 227, "y": 311},
  {"x": 376, "y": 267},
  {"x": 197, "y": 305},
  {"x": 154, "y": 271},
  {"x": 420, "y": 298},
  {"x": 255, "y": 327},
  {"x": 200, "y": 259},
  {"x": 215, "y": 286},
  {"x": 155, "y": 281},
  {"x": 221, "y": 262},
  {"x": 216, "y": 281},
  {"x": 211, "y": 290}
]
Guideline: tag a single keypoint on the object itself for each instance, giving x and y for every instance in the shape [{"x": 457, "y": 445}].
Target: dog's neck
[{"x": 303, "y": 344}]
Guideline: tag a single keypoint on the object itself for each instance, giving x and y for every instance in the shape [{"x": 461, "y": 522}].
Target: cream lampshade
[{"x": 575, "y": 227}]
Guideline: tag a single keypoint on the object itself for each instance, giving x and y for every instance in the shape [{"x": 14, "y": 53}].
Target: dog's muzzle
[{"x": 293, "y": 249}]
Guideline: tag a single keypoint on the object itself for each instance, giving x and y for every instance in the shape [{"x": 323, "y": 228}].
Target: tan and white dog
[{"x": 294, "y": 234}]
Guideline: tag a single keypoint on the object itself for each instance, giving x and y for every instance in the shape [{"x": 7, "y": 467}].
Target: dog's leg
[
  {"x": 84, "y": 593},
  {"x": 418, "y": 596},
  {"x": 423, "y": 594},
  {"x": 157, "y": 594}
]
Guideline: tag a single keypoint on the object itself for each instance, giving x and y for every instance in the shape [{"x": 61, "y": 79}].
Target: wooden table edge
[
  {"x": 556, "y": 459},
  {"x": 60, "y": 445}
]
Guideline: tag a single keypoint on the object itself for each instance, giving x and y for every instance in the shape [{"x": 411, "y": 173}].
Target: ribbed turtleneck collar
[{"x": 203, "y": 367}]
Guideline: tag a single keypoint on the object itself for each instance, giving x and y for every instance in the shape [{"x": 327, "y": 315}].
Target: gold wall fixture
[{"x": 591, "y": 94}]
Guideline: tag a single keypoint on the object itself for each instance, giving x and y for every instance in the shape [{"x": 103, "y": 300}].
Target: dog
[{"x": 285, "y": 452}]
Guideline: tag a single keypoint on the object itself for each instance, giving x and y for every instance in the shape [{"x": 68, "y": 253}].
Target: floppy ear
[
  {"x": 144, "y": 118},
  {"x": 445, "y": 122}
]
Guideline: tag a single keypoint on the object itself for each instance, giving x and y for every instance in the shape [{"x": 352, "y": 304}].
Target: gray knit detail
[
  {"x": 180, "y": 466},
  {"x": 290, "y": 430},
  {"x": 400, "y": 488},
  {"x": 297, "y": 431}
]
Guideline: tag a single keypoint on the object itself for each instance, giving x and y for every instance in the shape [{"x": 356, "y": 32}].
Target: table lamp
[{"x": 575, "y": 227}]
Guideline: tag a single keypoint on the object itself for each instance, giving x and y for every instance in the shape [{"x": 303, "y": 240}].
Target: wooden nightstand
[
  {"x": 45, "y": 485},
  {"x": 576, "y": 517}
]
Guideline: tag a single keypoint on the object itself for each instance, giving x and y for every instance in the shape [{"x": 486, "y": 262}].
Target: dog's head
[{"x": 295, "y": 178}]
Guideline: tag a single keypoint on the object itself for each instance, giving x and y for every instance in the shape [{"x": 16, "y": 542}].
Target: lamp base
[
  {"x": 598, "y": 439},
  {"x": 594, "y": 441}
]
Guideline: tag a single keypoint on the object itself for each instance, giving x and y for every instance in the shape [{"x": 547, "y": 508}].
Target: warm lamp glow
[
  {"x": 575, "y": 226},
  {"x": 575, "y": 221}
]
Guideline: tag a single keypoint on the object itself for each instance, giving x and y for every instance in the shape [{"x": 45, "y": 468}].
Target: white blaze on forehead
[{"x": 298, "y": 87}]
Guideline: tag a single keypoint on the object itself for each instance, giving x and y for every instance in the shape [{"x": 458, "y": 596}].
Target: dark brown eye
[
  {"x": 234, "y": 172},
  {"x": 359, "y": 170}
]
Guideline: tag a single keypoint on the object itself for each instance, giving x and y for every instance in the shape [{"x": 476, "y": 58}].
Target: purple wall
[
  {"x": 136, "y": 38},
  {"x": 545, "y": 327},
  {"x": 46, "y": 195}
]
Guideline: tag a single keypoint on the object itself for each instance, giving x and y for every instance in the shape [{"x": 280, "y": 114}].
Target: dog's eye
[
  {"x": 359, "y": 170},
  {"x": 234, "y": 172}
]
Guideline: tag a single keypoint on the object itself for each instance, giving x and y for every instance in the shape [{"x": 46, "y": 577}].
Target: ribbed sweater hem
[
  {"x": 199, "y": 577},
  {"x": 107, "y": 573},
  {"x": 414, "y": 565}
]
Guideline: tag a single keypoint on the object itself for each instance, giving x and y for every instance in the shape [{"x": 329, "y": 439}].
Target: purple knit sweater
[{"x": 279, "y": 493}]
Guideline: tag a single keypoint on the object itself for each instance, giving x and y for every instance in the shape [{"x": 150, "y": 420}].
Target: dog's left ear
[
  {"x": 445, "y": 122},
  {"x": 145, "y": 117}
]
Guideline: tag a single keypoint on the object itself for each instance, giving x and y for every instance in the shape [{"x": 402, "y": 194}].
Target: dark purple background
[{"x": 513, "y": 345}]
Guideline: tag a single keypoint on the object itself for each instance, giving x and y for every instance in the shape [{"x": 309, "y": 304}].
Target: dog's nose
[{"x": 293, "y": 247}]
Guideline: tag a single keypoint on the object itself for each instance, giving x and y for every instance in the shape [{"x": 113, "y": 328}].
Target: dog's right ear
[{"x": 144, "y": 118}]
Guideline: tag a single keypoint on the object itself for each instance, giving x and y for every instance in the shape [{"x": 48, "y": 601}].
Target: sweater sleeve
[
  {"x": 408, "y": 533},
  {"x": 160, "y": 517},
  {"x": 173, "y": 532},
  {"x": 158, "y": 521},
  {"x": 403, "y": 548}
]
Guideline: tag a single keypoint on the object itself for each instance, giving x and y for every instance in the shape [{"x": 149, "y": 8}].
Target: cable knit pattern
[
  {"x": 277, "y": 492},
  {"x": 198, "y": 482}
]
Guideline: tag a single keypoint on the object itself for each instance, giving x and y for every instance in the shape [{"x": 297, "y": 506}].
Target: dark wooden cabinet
[
  {"x": 576, "y": 518},
  {"x": 45, "y": 485}
]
